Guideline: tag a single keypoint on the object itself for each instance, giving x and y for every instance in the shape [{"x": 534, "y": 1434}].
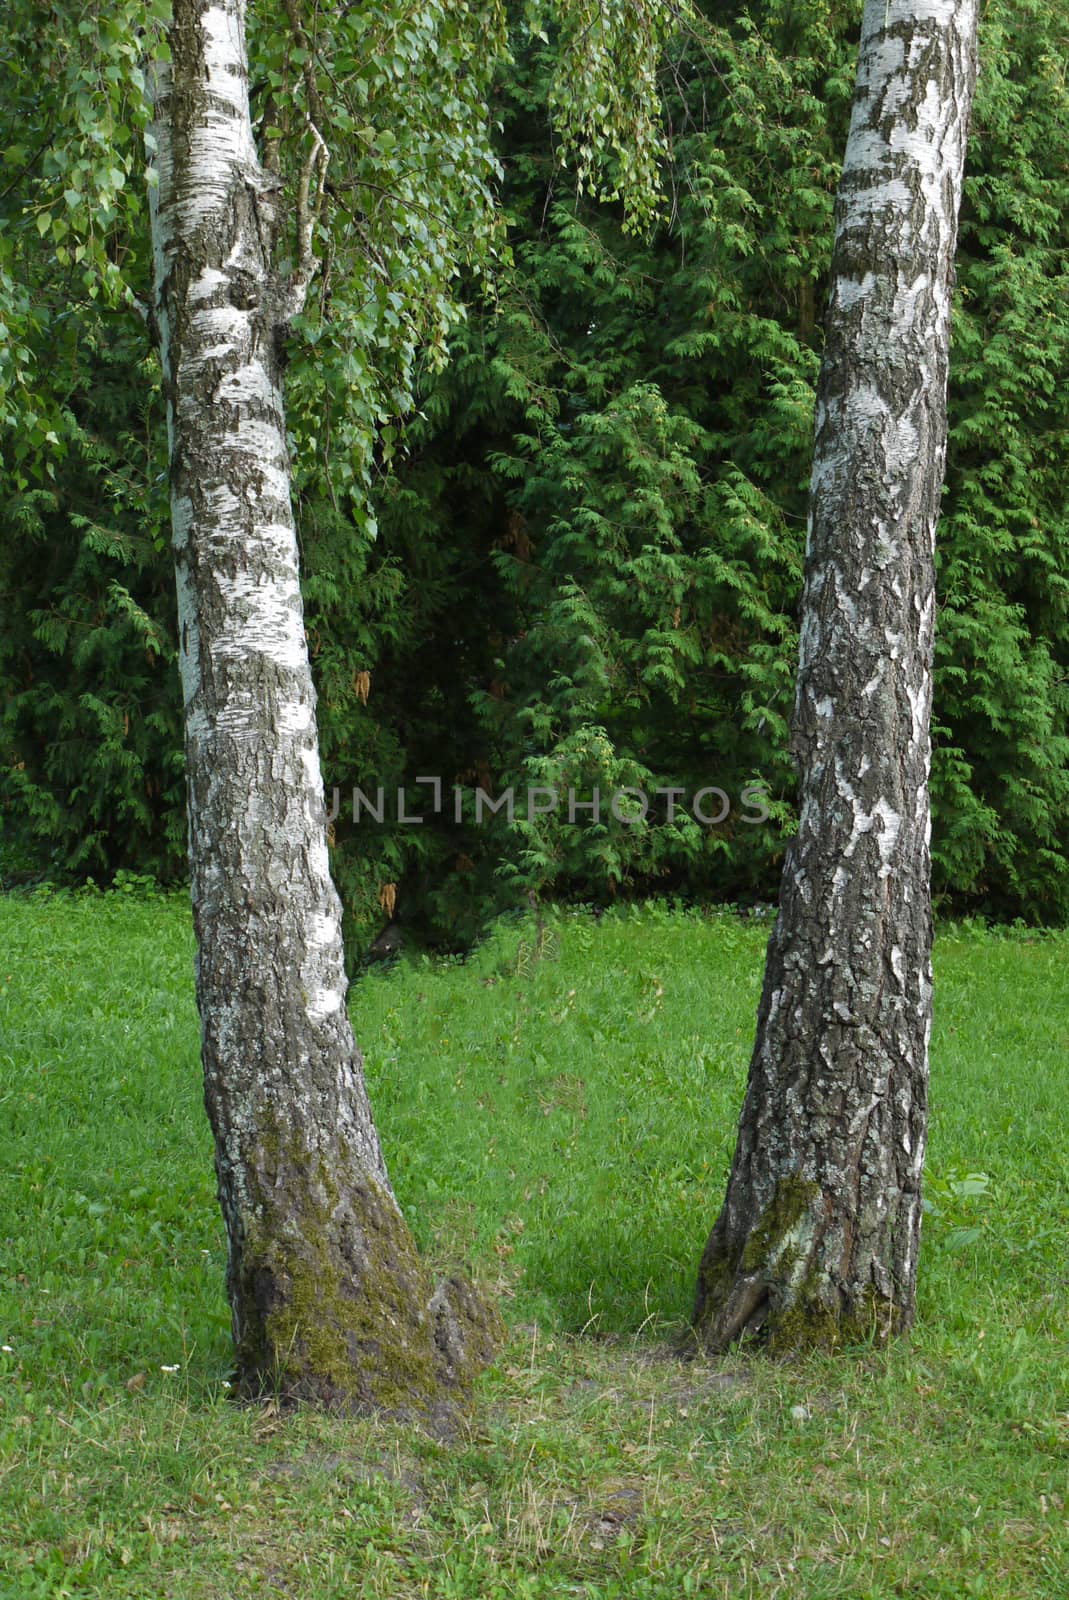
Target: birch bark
[
  {"x": 818, "y": 1235},
  {"x": 329, "y": 1300}
]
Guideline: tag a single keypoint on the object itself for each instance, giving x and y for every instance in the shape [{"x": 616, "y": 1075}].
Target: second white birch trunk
[{"x": 818, "y": 1235}]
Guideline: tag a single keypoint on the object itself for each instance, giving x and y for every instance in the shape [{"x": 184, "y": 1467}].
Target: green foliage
[
  {"x": 399, "y": 91},
  {"x": 402, "y": 94},
  {"x": 566, "y": 1123},
  {"x": 580, "y": 561},
  {"x": 605, "y": 100},
  {"x": 1001, "y": 768},
  {"x": 623, "y": 447},
  {"x": 90, "y": 719},
  {"x": 72, "y": 116},
  {"x": 626, "y": 441},
  {"x": 90, "y": 733}
]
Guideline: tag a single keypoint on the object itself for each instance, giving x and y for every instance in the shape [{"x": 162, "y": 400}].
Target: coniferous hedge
[{"x": 588, "y": 560}]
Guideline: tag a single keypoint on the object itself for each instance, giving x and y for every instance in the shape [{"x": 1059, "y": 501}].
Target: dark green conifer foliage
[
  {"x": 1001, "y": 711},
  {"x": 90, "y": 725},
  {"x": 587, "y": 563}
]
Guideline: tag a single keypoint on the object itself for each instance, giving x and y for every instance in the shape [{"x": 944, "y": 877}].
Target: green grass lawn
[{"x": 563, "y": 1121}]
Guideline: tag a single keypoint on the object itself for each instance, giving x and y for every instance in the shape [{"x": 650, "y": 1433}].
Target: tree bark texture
[
  {"x": 817, "y": 1239},
  {"x": 329, "y": 1299}
]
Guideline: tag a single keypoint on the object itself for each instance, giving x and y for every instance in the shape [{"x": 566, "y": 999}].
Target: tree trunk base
[
  {"x": 342, "y": 1313},
  {"x": 781, "y": 1299}
]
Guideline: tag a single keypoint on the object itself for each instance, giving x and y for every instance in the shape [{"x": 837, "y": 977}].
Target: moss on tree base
[
  {"x": 772, "y": 1288},
  {"x": 333, "y": 1305}
]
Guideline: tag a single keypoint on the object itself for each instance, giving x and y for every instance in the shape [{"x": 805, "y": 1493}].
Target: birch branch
[{"x": 311, "y": 186}]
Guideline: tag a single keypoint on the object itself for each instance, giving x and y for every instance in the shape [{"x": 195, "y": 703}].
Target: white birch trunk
[
  {"x": 329, "y": 1300},
  {"x": 819, "y": 1230}
]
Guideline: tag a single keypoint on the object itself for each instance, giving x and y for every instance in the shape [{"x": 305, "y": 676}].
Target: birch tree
[
  {"x": 328, "y": 1296},
  {"x": 818, "y": 1235},
  {"x": 329, "y": 1299}
]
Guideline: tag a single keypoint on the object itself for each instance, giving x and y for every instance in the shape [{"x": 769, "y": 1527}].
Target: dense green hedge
[{"x": 588, "y": 563}]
